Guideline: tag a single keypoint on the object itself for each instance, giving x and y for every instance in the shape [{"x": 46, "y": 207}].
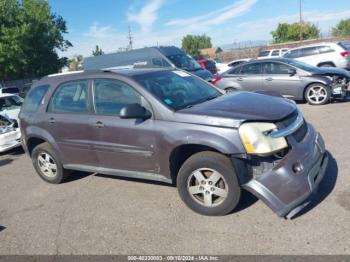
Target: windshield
[
  {"x": 177, "y": 89},
  {"x": 10, "y": 102},
  {"x": 184, "y": 62},
  {"x": 301, "y": 65}
]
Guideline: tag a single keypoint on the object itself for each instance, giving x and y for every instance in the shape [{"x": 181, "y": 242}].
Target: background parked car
[
  {"x": 223, "y": 67},
  {"x": 272, "y": 53},
  {"x": 10, "y": 135},
  {"x": 288, "y": 77},
  {"x": 209, "y": 65},
  {"x": 160, "y": 56},
  {"x": 322, "y": 55},
  {"x": 10, "y": 105}
]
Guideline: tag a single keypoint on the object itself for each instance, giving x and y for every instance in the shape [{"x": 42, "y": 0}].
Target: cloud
[
  {"x": 147, "y": 15},
  {"x": 216, "y": 17}
]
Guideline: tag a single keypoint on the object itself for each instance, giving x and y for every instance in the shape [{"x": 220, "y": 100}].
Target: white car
[
  {"x": 272, "y": 53},
  {"x": 10, "y": 105},
  {"x": 10, "y": 135},
  {"x": 223, "y": 67},
  {"x": 322, "y": 55}
]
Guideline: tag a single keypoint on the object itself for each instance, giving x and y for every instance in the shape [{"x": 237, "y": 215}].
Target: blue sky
[{"x": 105, "y": 22}]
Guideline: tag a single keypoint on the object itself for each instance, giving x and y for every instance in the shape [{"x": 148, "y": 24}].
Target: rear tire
[
  {"x": 47, "y": 164},
  {"x": 208, "y": 184},
  {"x": 317, "y": 94}
]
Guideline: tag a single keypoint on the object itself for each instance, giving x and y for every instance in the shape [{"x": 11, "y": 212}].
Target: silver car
[{"x": 289, "y": 78}]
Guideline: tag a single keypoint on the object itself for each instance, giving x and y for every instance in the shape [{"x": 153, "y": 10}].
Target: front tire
[
  {"x": 208, "y": 184},
  {"x": 317, "y": 94},
  {"x": 48, "y": 165}
]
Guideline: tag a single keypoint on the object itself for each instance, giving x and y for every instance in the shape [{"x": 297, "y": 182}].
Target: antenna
[{"x": 130, "y": 38}]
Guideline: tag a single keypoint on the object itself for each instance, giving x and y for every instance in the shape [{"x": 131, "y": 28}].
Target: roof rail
[{"x": 66, "y": 73}]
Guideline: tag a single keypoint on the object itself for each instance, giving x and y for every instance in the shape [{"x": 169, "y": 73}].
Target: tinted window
[
  {"x": 235, "y": 71},
  {"x": 34, "y": 98},
  {"x": 160, "y": 62},
  {"x": 251, "y": 69},
  {"x": 184, "y": 62},
  {"x": 264, "y": 53},
  {"x": 275, "y": 53},
  {"x": 70, "y": 97},
  {"x": 293, "y": 54},
  {"x": 177, "y": 89},
  {"x": 236, "y": 63},
  {"x": 309, "y": 51},
  {"x": 325, "y": 49},
  {"x": 275, "y": 68},
  {"x": 10, "y": 90},
  {"x": 10, "y": 102},
  {"x": 110, "y": 96},
  {"x": 210, "y": 64}
]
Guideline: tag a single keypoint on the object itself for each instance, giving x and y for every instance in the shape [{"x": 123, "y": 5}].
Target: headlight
[{"x": 257, "y": 140}]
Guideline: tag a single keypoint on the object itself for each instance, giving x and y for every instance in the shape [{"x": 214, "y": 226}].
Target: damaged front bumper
[{"x": 288, "y": 185}]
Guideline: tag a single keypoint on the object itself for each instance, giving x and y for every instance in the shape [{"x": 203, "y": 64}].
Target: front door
[
  {"x": 121, "y": 144},
  {"x": 276, "y": 78},
  {"x": 68, "y": 122}
]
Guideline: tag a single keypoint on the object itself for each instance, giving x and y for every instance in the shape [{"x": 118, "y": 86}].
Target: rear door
[
  {"x": 121, "y": 144},
  {"x": 277, "y": 79},
  {"x": 250, "y": 78},
  {"x": 67, "y": 121}
]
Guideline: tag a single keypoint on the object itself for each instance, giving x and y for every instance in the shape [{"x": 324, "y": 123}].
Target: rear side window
[
  {"x": 293, "y": 54},
  {"x": 70, "y": 97},
  {"x": 34, "y": 98},
  {"x": 251, "y": 69},
  {"x": 235, "y": 71},
  {"x": 275, "y": 53},
  {"x": 309, "y": 51},
  {"x": 325, "y": 49},
  {"x": 264, "y": 53}
]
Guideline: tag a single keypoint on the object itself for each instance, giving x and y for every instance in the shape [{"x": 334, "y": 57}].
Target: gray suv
[{"x": 171, "y": 126}]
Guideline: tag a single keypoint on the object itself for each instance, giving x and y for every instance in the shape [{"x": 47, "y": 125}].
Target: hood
[
  {"x": 330, "y": 71},
  {"x": 203, "y": 73},
  {"x": 11, "y": 114},
  {"x": 241, "y": 106}
]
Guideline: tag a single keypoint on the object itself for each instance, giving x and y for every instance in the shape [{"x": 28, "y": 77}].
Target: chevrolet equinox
[{"x": 171, "y": 126}]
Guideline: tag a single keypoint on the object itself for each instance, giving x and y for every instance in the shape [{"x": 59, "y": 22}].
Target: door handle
[
  {"x": 99, "y": 124},
  {"x": 269, "y": 79},
  {"x": 51, "y": 120}
]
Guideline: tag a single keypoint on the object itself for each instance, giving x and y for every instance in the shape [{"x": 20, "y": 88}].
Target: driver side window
[
  {"x": 110, "y": 96},
  {"x": 276, "y": 68}
]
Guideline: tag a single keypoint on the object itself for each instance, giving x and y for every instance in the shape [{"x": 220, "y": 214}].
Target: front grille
[{"x": 288, "y": 120}]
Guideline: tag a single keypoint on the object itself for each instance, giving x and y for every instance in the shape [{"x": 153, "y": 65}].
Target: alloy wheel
[
  {"x": 207, "y": 187},
  {"x": 47, "y": 165},
  {"x": 317, "y": 94}
]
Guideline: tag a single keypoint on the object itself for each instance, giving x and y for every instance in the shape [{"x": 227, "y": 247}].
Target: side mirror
[
  {"x": 134, "y": 111},
  {"x": 292, "y": 71}
]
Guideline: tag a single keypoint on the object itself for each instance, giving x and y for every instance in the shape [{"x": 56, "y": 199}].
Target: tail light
[
  {"x": 344, "y": 54},
  {"x": 215, "y": 80}
]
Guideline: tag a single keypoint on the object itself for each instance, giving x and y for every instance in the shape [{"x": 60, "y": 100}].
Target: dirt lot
[{"x": 94, "y": 214}]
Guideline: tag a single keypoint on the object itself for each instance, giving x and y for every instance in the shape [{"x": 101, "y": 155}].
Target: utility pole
[
  {"x": 130, "y": 37},
  {"x": 300, "y": 20}
]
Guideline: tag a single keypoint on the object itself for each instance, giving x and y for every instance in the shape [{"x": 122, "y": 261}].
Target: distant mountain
[{"x": 245, "y": 44}]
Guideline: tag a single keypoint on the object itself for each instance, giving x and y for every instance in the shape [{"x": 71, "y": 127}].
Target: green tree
[
  {"x": 30, "y": 36},
  {"x": 98, "y": 51},
  {"x": 342, "y": 28},
  {"x": 192, "y": 43},
  {"x": 291, "y": 32}
]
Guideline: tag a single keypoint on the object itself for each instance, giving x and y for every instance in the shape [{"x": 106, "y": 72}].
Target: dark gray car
[
  {"x": 289, "y": 78},
  {"x": 171, "y": 126}
]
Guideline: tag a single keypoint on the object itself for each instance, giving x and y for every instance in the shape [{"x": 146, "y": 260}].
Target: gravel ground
[{"x": 95, "y": 214}]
